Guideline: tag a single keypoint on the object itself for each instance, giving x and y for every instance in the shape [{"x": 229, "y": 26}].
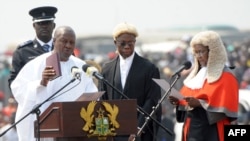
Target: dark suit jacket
[
  {"x": 139, "y": 85},
  {"x": 22, "y": 55}
]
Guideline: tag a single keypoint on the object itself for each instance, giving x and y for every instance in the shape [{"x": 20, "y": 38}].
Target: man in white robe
[{"x": 34, "y": 83}]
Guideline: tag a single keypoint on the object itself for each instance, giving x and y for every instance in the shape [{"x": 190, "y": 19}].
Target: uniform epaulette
[{"x": 25, "y": 44}]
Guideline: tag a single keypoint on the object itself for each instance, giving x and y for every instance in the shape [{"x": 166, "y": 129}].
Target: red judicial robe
[{"x": 219, "y": 101}]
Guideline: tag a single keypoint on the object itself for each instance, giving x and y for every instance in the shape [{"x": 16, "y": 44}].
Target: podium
[{"x": 88, "y": 120}]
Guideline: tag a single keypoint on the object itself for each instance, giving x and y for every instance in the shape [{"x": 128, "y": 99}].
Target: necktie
[{"x": 46, "y": 47}]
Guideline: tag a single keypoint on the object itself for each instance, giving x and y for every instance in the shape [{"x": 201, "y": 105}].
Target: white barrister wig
[
  {"x": 124, "y": 28},
  {"x": 217, "y": 56}
]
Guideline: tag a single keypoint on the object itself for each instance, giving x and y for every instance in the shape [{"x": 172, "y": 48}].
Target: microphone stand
[
  {"x": 37, "y": 112},
  {"x": 157, "y": 106},
  {"x": 139, "y": 109}
]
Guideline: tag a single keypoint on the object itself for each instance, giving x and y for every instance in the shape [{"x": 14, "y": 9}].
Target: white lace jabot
[{"x": 197, "y": 81}]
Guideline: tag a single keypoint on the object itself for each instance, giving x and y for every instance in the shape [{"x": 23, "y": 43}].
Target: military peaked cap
[{"x": 45, "y": 13}]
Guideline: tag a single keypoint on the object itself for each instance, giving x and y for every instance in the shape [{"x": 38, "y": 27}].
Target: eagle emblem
[
  {"x": 88, "y": 116},
  {"x": 102, "y": 122}
]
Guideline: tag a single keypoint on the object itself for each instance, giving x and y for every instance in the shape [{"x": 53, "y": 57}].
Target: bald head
[
  {"x": 64, "y": 42},
  {"x": 62, "y": 30}
]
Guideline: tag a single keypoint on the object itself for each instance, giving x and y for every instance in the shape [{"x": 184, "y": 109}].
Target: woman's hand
[
  {"x": 48, "y": 74},
  {"x": 192, "y": 102},
  {"x": 173, "y": 100}
]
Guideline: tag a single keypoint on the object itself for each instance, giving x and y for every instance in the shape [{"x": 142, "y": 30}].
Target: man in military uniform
[{"x": 43, "y": 23}]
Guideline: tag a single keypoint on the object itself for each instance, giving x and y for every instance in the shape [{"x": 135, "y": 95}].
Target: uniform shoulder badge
[{"x": 29, "y": 42}]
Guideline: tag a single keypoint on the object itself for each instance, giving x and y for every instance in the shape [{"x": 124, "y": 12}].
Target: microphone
[
  {"x": 76, "y": 72},
  {"x": 187, "y": 65},
  {"x": 92, "y": 71}
]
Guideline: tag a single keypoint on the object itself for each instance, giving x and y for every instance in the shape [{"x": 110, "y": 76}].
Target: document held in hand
[
  {"x": 165, "y": 86},
  {"x": 54, "y": 61}
]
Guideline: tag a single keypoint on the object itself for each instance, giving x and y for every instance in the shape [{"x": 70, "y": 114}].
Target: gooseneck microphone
[
  {"x": 187, "y": 65},
  {"x": 92, "y": 71}
]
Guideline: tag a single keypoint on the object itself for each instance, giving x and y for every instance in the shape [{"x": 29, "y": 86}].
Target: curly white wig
[
  {"x": 124, "y": 28},
  {"x": 217, "y": 56}
]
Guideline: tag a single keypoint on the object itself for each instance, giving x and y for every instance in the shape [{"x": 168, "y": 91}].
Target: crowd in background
[{"x": 239, "y": 62}]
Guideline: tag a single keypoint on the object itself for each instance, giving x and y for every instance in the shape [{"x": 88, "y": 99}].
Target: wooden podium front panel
[
  {"x": 48, "y": 122},
  {"x": 62, "y": 119}
]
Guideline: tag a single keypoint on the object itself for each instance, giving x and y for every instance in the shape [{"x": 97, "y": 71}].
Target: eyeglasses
[
  {"x": 200, "y": 53},
  {"x": 123, "y": 43}
]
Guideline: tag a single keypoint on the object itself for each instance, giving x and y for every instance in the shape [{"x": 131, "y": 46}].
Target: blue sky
[{"x": 100, "y": 16}]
